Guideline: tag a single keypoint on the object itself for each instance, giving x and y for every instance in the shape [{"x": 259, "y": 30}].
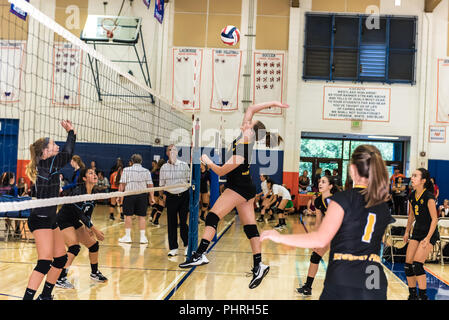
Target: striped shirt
[
  {"x": 172, "y": 174},
  {"x": 136, "y": 177}
]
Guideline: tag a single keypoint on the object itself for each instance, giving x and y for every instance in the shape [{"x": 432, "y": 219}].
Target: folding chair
[
  {"x": 442, "y": 223},
  {"x": 401, "y": 221}
]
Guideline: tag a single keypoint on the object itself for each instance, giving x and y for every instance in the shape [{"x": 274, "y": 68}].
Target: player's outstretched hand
[
  {"x": 272, "y": 235},
  {"x": 67, "y": 125}
]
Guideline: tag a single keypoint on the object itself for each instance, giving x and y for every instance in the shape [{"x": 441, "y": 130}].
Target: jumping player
[{"x": 240, "y": 191}]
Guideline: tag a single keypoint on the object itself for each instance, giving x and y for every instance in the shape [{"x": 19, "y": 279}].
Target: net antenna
[{"x": 101, "y": 30}]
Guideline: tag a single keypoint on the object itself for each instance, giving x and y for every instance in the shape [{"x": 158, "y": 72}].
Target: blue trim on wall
[{"x": 439, "y": 169}]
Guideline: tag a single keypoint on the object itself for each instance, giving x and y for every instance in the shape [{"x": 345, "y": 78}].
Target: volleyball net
[{"x": 47, "y": 74}]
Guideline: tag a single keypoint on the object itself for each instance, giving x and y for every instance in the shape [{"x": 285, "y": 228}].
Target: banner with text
[
  {"x": 356, "y": 103},
  {"x": 437, "y": 134},
  {"x": 186, "y": 81},
  {"x": 226, "y": 66},
  {"x": 268, "y": 79},
  {"x": 11, "y": 67}
]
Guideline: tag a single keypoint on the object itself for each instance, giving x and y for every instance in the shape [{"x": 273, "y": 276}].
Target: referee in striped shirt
[
  {"x": 135, "y": 178},
  {"x": 176, "y": 172}
]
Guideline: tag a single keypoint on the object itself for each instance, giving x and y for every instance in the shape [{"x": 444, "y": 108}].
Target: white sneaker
[
  {"x": 143, "y": 240},
  {"x": 195, "y": 260},
  {"x": 125, "y": 239},
  {"x": 258, "y": 274},
  {"x": 173, "y": 253}
]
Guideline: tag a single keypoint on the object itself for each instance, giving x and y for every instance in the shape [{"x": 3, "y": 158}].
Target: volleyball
[{"x": 230, "y": 35}]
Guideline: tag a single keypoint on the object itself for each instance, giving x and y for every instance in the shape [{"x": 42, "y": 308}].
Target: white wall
[{"x": 413, "y": 108}]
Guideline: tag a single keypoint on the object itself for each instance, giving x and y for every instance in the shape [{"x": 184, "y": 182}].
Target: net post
[{"x": 194, "y": 192}]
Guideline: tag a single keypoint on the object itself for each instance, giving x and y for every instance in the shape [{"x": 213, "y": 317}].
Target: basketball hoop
[{"x": 109, "y": 25}]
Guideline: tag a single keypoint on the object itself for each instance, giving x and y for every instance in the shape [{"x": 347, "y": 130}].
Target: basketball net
[{"x": 109, "y": 25}]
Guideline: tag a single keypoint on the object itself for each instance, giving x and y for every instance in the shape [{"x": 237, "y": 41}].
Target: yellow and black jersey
[
  {"x": 241, "y": 174},
  {"x": 419, "y": 204},
  {"x": 356, "y": 245},
  {"x": 321, "y": 204}
]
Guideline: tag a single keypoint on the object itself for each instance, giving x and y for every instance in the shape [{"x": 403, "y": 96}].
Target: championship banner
[
  {"x": 159, "y": 10},
  {"x": 11, "y": 66},
  {"x": 226, "y": 66},
  {"x": 186, "y": 81},
  {"x": 268, "y": 79},
  {"x": 443, "y": 91},
  {"x": 66, "y": 75}
]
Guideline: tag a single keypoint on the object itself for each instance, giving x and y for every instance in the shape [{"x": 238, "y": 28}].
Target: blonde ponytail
[{"x": 36, "y": 150}]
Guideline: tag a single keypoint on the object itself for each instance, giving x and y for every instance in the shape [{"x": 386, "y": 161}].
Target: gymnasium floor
[{"x": 141, "y": 272}]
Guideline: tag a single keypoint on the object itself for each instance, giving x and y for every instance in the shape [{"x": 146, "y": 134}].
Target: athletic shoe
[
  {"x": 41, "y": 297},
  {"x": 173, "y": 253},
  {"x": 279, "y": 226},
  {"x": 271, "y": 218},
  {"x": 156, "y": 224},
  {"x": 98, "y": 276},
  {"x": 143, "y": 240},
  {"x": 304, "y": 290},
  {"x": 111, "y": 217},
  {"x": 151, "y": 219},
  {"x": 64, "y": 284},
  {"x": 260, "y": 219},
  {"x": 125, "y": 239},
  {"x": 413, "y": 297},
  {"x": 195, "y": 260},
  {"x": 258, "y": 274}
]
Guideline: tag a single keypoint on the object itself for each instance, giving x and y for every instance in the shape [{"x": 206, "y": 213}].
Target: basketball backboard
[{"x": 111, "y": 28}]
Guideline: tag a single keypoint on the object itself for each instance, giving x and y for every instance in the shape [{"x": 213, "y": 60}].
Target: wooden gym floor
[{"x": 144, "y": 272}]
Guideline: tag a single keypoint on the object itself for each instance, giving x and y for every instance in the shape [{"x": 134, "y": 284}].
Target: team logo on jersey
[{"x": 422, "y": 201}]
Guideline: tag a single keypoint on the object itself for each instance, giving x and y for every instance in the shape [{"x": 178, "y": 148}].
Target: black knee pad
[
  {"x": 43, "y": 266},
  {"x": 75, "y": 249},
  {"x": 212, "y": 220},
  {"x": 418, "y": 268},
  {"x": 274, "y": 209},
  {"x": 159, "y": 208},
  {"x": 112, "y": 205},
  {"x": 251, "y": 231},
  {"x": 59, "y": 262},
  {"x": 205, "y": 205},
  {"x": 315, "y": 258},
  {"x": 94, "y": 248},
  {"x": 409, "y": 272},
  {"x": 280, "y": 211}
]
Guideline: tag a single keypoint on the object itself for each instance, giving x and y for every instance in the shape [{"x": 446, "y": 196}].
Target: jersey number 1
[{"x": 369, "y": 227}]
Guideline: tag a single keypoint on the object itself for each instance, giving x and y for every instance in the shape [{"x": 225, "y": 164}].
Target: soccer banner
[
  {"x": 268, "y": 79},
  {"x": 11, "y": 66},
  {"x": 443, "y": 91},
  {"x": 186, "y": 80},
  {"x": 66, "y": 78},
  {"x": 226, "y": 65}
]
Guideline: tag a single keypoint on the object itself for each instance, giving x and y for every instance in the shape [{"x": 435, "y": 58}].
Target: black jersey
[
  {"x": 321, "y": 204},
  {"x": 47, "y": 182},
  {"x": 81, "y": 210},
  {"x": 240, "y": 175},
  {"x": 419, "y": 203},
  {"x": 205, "y": 176},
  {"x": 356, "y": 245}
]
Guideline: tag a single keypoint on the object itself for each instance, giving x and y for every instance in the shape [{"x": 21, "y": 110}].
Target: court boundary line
[{"x": 178, "y": 285}]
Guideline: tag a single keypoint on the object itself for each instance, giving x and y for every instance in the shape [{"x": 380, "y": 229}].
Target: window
[{"x": 354, "y": 48}]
